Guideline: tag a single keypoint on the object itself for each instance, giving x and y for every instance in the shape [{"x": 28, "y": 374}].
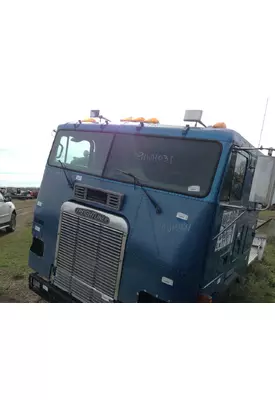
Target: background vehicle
[
  {"x": 142, "y": 212},
  {"x": 25, "y": 194},
  {"x": 28, "y": 194},
  {"x": 3, "y": 190},
  {"x": 7, "y": 214},
  {"x": 35, "y": 194}
]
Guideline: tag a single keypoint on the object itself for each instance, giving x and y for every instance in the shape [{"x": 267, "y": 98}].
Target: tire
[{"x": 12, "y": 225}]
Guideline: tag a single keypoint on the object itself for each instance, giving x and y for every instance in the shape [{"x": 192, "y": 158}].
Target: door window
[{"x": 232, "y": 190}]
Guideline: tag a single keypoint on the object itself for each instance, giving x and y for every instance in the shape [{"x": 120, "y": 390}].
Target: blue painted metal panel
[{"x": 158, "y": 245}]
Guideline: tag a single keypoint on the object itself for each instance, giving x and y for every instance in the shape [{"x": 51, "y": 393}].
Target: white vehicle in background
[{"x": 7, "y": 214}]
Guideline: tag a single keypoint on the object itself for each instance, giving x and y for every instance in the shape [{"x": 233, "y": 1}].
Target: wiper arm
[
  {"x": 137, "y": 181},
  {"x": 70, "y": 183}
]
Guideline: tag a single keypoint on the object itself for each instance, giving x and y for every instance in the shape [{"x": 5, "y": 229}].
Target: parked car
[
  {"x": 3, "y": 190},
  {"x": 28, "y": 194},
  {"x": 7, "y": 214},
  {"x": 35, "y": 194}
]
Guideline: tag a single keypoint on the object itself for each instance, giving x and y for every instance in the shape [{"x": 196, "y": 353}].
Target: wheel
[{"x": 12, "y": 225}]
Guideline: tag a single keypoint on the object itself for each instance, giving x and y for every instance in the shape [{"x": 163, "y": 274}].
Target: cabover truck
[{"x": 137, "y": 211}]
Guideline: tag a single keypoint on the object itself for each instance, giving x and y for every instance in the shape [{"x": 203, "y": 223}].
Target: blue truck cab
[{"x": 142, "y": 212}]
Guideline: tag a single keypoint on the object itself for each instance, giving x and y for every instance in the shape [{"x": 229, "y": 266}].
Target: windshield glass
[
  {"x": 178, "y": 165},
  {"x": 81, "y": 151}
]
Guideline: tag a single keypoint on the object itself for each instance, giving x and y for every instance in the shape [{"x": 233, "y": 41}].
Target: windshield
[{"x": 178, "y": 165}]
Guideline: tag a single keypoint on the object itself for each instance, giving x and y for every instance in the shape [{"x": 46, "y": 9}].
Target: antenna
[{"x": 261, "y": 133}]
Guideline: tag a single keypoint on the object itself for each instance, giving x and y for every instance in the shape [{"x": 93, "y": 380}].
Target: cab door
[{"x": 233, "y": 202}]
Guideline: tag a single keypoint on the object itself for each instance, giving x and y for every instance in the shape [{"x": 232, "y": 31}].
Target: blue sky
[{"x": 60, "y": 59}]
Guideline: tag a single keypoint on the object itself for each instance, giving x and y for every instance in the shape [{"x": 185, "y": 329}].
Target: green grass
[
  {"x": 266, "y": 214},
  {"x": 14, "y": 268},
  {"x": 259, "y": 284}
]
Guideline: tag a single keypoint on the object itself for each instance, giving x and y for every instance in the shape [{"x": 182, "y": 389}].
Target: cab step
[{"x": 257, "y": 248}]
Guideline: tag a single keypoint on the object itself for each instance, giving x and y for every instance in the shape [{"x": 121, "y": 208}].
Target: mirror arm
[
  {"x": 263, "y": 209},
  {"x": 245, "y": 150},
  {"x": 233, "y": 206}
]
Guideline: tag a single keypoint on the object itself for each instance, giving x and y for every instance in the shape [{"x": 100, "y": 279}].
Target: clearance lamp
[
  {"x": 220, "y": 125},
  {"x": 88, "y": 120},
  {"x": 141, "y": 120}
]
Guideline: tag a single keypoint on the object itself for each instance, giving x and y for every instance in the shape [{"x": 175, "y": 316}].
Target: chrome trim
[
  {"x": 215, "y": 279},
  {"x": 52, "y": 275},
  {"x": 119, "y": 271},
  {"x": 223, "y": 204},
  {"x": 4, "y": 227},
  {"x": 115, "y": 222},
  {"x": 228, "y": 226}
]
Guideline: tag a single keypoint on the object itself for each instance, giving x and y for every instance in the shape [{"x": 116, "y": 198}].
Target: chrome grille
[{"x": 89, "y": 255}]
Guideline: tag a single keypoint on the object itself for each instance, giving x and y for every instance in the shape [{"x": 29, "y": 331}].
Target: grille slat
[
  {"x": 79, "y": 192},
  {"x": 89, "y": 256}
]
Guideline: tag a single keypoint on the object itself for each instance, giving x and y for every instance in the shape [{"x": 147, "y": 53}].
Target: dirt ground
[{"x": 14, "y": 249}]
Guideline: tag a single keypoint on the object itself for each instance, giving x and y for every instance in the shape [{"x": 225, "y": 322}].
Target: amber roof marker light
[
  {"x": 92, "y": 120},
  {"x": 142, "y": 120},
  {"x": 219, "y": 125}
]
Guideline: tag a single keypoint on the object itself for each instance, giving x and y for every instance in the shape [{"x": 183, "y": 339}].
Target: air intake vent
[
  {"x": 113, "y": 201},
  {"x": 98, "y": 196},
  {"x": 79, "y": 192}
]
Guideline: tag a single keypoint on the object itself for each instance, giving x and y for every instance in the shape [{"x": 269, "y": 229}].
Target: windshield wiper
[
  {"x": 70, "y": 183},
  {"x": 137, "y": 181}
]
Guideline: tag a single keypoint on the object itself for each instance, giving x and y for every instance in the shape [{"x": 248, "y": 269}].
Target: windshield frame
[{"x": 124, "y": 179}]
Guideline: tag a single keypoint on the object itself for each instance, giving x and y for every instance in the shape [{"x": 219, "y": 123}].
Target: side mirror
[{"x": 263, "y": 184}]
